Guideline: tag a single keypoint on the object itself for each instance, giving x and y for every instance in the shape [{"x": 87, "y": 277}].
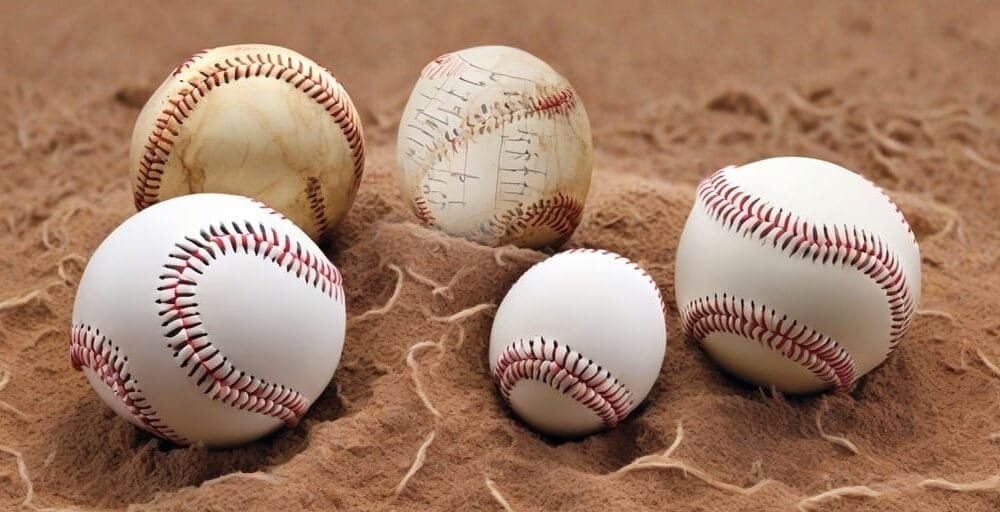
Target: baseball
[
  {"x": 578, "y": 342},
  {"x": 796, "y": 273},
  {"x": 495, "y": 146},
  {"x": 254, "y": 120},
  {"x": 208, "y": 318}
]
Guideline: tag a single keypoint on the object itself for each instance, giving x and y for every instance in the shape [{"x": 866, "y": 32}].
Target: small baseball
[
  {"x": 796, "y": 273},
  {"x": 495, "y": 146},
  {"x": 254, "y": 120},
  {"x": 578, "y": 342},
  {"x": 210, "y": 319}
]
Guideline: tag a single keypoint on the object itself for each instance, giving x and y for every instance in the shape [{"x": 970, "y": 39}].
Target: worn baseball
[
  {"x": 796, "y": 273},
  {"x": 578, "y": 342},
  {"x": 254, "y": 120},
  {"x": 210, "y": 319},
  {"x": 495, "y": 146}
]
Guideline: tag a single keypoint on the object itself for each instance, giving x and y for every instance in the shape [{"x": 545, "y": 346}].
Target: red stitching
[
  {"x": 749, "y": 216},
  {"x": 444, "y": 66},
  {"x": 567, "y": 371},
  {"x": 423, "y": 211},
  {"x": 268, "y": 209},
  {"x": 188, "y": 62},
  {"x": 314, "y": 193},
  {"x": 212, "y": 372},
  {"x": 89, "y": 348},
  {"x": 560, "y": 213},
  {"x": 560, "y": 102},
  {"x": 820, "y": 354},
  {"x": 279, "y": 67}
]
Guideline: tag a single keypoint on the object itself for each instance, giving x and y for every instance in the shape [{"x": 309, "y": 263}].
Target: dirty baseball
[
  {"x": 494, "y": 145},
  {"x": 254, "y": 120}
]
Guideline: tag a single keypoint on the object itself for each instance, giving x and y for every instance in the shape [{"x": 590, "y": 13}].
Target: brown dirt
[{"x": 905, "y": 92}]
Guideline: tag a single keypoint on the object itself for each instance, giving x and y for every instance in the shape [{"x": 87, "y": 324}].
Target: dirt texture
[{"x": 904, "y": 92}]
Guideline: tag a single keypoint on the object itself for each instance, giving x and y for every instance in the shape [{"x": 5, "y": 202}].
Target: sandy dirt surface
[{"x": 904, "y": 92}]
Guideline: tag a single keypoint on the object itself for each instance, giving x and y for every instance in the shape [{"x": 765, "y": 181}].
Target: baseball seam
[
  {"x": 314, "y": 193},
  {"x": 560, "y": 213},
  {"x": 423, "y": 211},
  {"x": 826, "y": 244},
  {"x": 268, "y": 209},
  {"x": 818, "y": 353},
  {"x": 560, "y": 102},
  {"x": 89, "y": 348},
  {"x": 306, "y": 78},
  {"x": 444, "y": 66},
  {"x": 188, "y": 62},
  {"x": 211, "y": 371},
  {"x": 567, "y": 371}
]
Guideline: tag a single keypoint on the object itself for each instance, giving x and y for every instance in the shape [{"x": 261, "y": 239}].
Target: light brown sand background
[{"x": 907, "y": 93}]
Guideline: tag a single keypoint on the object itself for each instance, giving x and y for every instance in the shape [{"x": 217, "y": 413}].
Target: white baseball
[
  {"x": 209, "y": 319},
  {"x": 796, "y": 273},
  {"x": 578, "y": 342},
  {"x": 495, "y": 146},
  {"x": 255, "y": 120}
]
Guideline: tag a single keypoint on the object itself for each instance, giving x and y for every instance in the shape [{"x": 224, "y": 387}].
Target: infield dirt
[{"x": 904, "y": 92}]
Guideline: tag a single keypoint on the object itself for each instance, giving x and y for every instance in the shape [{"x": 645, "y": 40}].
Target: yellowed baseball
[
  {"x": 254, "y": 120},
  {"x": 494, "y": 145}
]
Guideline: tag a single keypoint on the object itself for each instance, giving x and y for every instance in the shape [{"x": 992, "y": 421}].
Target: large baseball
[
  {"x": 255, "y": 120},
  {"x": 495, "y": 146},
  {"x": 209, "y": 319},
  {"x": 796, "y": 273},
  {"x": 578, "y": 342}
]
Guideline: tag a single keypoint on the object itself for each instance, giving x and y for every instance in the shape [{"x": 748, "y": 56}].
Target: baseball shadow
[
  {"x": 877, "y": 412},
  {"x": 885, "y": 400},
  {"x": 599, "y": 453},
  {"x": 93, "y": 446}
]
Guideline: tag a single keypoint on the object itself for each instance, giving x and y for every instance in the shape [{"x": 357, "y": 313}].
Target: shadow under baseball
[{"x": 104, "y": 453}]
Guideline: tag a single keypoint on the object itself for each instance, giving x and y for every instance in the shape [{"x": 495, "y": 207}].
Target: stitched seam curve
[
  {"x": 307, "y": 79},
  {"x": 444, "y": 66},
  {"x": 89, "y": 348},
  {"x": 208, "y": 368},
  {"x": 826, "y": 244},
  {"x": 820, "y": 354},
  {"x": 561, "y": 102},
  {"x": 268, "y": 209},
  {"x": 314, "y": 193},
  {"x": 567, "y": 371},
  {"x": 423, "y": 211},
  {"x": 183, "y": 66},
  {"x": 560, "y": 213}
]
